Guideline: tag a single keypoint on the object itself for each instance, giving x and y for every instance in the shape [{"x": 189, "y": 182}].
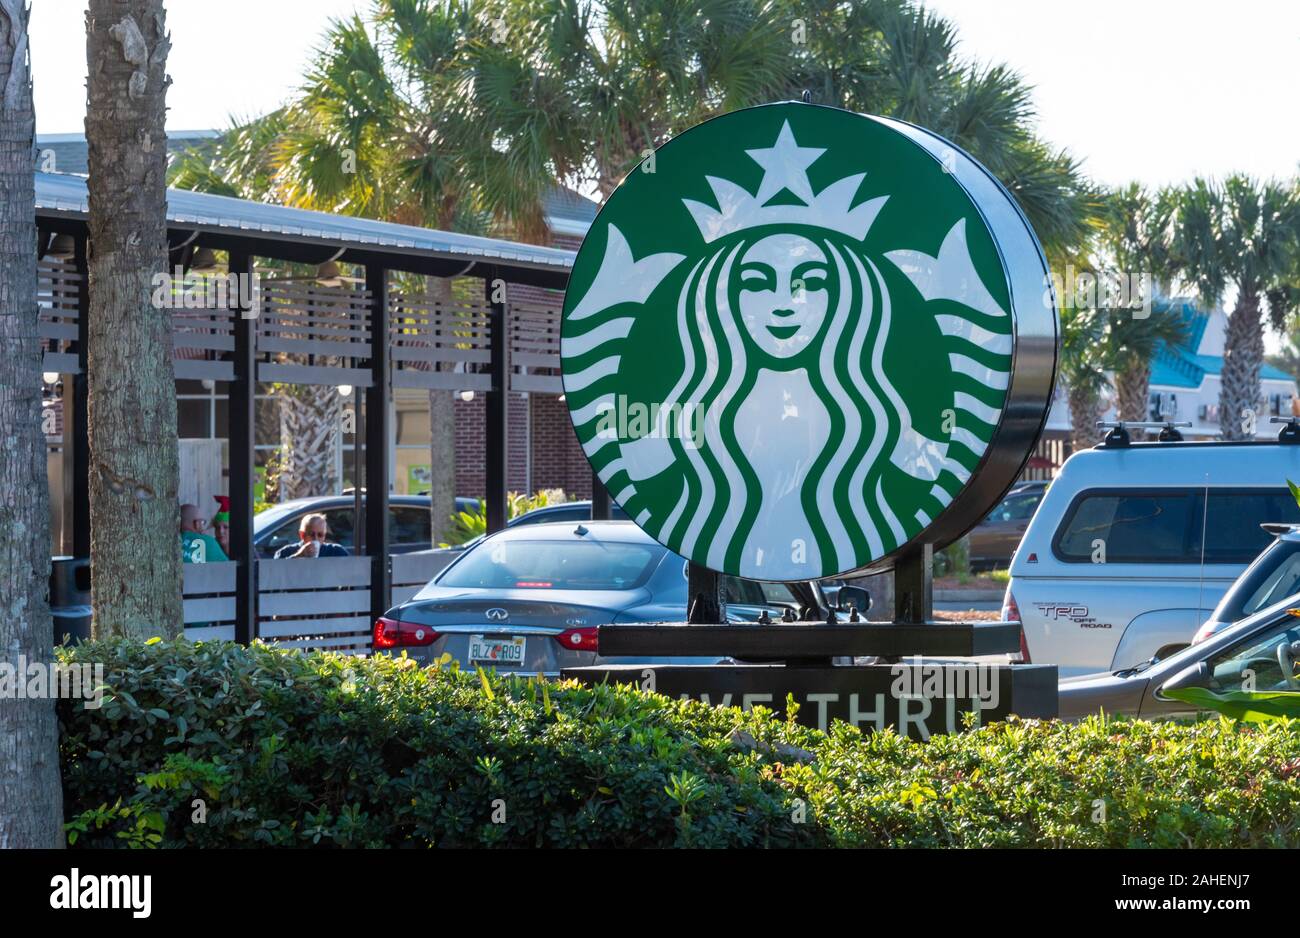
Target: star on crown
[{"x": 785, "y": 166}]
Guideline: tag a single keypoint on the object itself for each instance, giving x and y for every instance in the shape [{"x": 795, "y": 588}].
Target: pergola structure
[{"x": 369, "y": 336}]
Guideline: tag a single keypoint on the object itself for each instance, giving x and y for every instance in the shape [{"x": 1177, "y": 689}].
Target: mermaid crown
[{"x": 785, "y": 166}]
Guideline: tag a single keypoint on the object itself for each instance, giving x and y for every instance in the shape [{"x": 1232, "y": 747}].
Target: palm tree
[
  {"x": 1085, "y": 359},
  {"x": 1134, "y": 342},
  {"x": 1134, "y": 243},
  {"x": 1242, "y": 234},
  {"x": 623, "y": 76},
  {"x": 134, "y": 472},
  {"x": 903, "y": 63},
  {"x": 31, "y": 802}
]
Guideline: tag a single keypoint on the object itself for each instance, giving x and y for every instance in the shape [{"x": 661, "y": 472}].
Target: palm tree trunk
[
  {"x": 442, "y": 438},
  {"x": 1132, "y": 389},
  {"x": 1243, "y": 354},
  {"x": 134, "y": 551},
  {"x": 310, "y": 422},
  {"x": 31, "y": 795},
  {"x": 1086, "y": 408}
]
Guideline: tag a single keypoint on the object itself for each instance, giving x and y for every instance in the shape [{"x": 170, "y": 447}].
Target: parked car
[
  {"x": 1134, "y": 545},
  {"x": 409, "y": 524},
  {"x": 1259, "y": 652},
  {"x": 530, "y": 598},
  {"x": 996, "y": 538},
  {"x": 1274, "y": 575},
  {"x": 564, "y": 511}
]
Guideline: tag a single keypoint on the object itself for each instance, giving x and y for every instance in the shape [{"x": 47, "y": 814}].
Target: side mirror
[
  {"x": 1196, "y": 675},
  {"x": 854, "y": 596}
]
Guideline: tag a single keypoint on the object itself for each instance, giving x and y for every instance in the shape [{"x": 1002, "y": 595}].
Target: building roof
[
  {"x": 65, "y": 195},
  {"x": 67, "y": 153},
  {"x": 1183, "y": 367},
  {"x": 567, "y": 212}
]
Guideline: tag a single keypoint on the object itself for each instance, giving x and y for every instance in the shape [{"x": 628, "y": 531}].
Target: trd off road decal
[{"x": 790, "y": 337}]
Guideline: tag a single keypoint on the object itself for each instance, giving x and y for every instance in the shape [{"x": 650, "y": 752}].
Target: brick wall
[
  {"x": 558, "y": 459},
  {"x": 471, "y": 431}
]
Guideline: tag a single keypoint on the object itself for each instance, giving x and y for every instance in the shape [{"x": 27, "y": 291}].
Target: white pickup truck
[{"x": 1134, "y": 544}]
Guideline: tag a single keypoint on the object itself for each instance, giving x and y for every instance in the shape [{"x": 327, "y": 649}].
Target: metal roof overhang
[{"x": 303, "y": 236}]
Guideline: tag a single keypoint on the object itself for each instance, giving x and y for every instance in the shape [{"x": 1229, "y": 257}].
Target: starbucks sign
[{"x": 798, "y": 340}]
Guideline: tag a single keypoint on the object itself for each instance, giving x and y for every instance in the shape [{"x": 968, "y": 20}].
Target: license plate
[{"x": 504, "y": 652}]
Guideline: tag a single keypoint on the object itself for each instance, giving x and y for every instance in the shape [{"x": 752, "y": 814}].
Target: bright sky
[
  {"x": 1156, "y": 90},
  {"x": 228, "y": 58},
  {"x": 1153, "y": 90}
]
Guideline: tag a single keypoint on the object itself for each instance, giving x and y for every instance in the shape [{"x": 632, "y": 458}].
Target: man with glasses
[
  {"x": 197, "y": 547},
  {"x": 313, "y": 532}
]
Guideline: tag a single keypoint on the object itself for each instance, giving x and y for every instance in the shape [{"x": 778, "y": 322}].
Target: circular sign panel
[{"x": 798, "y": 340}]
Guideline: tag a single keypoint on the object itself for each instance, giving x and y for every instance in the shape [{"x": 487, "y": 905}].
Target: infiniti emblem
[{"x": 498, "y": 614}]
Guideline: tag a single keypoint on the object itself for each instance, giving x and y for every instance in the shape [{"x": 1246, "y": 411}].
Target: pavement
[{"x": 963, "y": 605}]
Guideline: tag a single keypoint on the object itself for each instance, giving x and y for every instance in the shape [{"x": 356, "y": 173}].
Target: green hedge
[{"x": 314, "y": 749}]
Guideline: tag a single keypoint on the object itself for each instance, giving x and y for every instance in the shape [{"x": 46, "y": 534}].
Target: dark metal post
[
  {"x": 600, "y": 507},
  {"x": 359, "y": 452},
  {"x": 376, "y": 436},
  {"x": 497, "y": 449},
  {"x": 79, "y": 450},
  {"x": 243, "y": 423},
  {"x": 913, "y": 586},
  {"x": 705, "y": 602}
]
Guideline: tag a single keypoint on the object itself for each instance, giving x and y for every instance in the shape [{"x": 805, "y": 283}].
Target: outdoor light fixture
[
  {"x": 467, "y": 395},
  {"x": 329, "y": 275},
  {"x": 345, "y": 390},
  {"x": 50, "y": 377},
  {"x": 62, "y": 247},
  {"x": 204, "y": 261}
]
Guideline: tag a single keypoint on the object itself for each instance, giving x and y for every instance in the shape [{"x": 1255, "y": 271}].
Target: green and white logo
[{"x": 787, "y": 342}]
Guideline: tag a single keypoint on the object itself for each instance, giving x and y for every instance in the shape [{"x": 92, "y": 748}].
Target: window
[
  {"x": 1233, "y": 519},
  {"x": 1269, "y": 657},
  {"x": 286, "y": 533},
  {"x": 752, "y": 593},
  {"x": 742, "y": 592},
  {"x": 1165, "y": 526},
  {"x": 1016, "y": 508},
  {"x": 409, "y": 527},
  {"x": 1277, "y": 586},
  {"x": 576, "y": 565},
  {"x": 1135, "y": 527},
  {"x": 193, "y": 419},
  {"x": 339, "y": 522}
]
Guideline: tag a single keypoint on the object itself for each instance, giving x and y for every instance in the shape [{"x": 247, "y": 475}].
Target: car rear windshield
[
  {"x": 1165, "y": 526},
  {"x": 563, "y": 565}
]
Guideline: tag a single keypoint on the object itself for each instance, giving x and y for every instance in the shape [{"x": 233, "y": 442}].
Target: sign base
[{"x": 918, "y": 698}]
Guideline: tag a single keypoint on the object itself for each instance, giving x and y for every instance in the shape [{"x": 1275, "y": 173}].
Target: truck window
[
  {"x": 1165, "y": 526},
  {"x": 1233, "y": 519},
  {"x": 1134, "y": 527}
]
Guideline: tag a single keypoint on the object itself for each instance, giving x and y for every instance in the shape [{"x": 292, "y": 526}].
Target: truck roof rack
[
  {"x": 1290, "y": 432},
  {"x": 1118, "y": 434}
]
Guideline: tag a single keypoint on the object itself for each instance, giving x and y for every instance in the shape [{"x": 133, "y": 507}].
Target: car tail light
[
  {"x": 394, "y": 633},
  {"x": 1011, "y": 613},
  {"x": 580, "y": 639}
]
